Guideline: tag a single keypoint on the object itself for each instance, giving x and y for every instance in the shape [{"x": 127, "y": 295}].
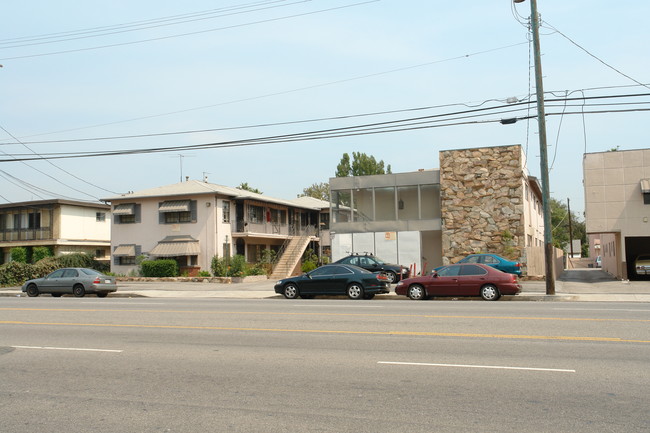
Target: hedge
[{"x": 159, "y": 268}]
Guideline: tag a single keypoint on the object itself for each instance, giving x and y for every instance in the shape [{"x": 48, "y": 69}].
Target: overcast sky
[{"x": 155, "y": 71}]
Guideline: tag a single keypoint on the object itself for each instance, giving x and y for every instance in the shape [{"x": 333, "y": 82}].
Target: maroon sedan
[{"x": 461, "y": 280}]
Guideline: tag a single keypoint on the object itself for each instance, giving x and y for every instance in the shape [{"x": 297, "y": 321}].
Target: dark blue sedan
[
  {"x": 355, "y": 282},
  {"x": 495, "y": 261}
]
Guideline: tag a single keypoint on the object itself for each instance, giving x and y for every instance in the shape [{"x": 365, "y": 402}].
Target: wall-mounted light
[{"x": 400, "y": 204}]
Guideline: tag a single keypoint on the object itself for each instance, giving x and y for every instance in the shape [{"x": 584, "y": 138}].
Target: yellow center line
[
  {"x": 271, "y": 313},
  {"x": 325, "y": 331}
]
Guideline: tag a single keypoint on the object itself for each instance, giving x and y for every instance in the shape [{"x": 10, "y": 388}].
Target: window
[
  {"x": 472, "y": 270},
  {"x": 100, "y": 217},
  {"x": 177, "y": 217},
  {"x": 278, "y": 216},
  {"x": 324, "y": 221},
  {"x": 385, "y": 204},
  {"x": 226, "y": 211},
  {"x": 126, "y": 219},
  {"x": 177, "y": 211},
  {"x": 34, "y": 221},
  {"x": 100, "y": 254},
  {"x": 17, "y": 224},
  {"x": 450, "y": 271},
  {"x": 125, "y": 260},
  {"x": 255, "y": 214}
]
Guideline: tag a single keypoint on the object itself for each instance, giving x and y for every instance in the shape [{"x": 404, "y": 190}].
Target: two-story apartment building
[
  {"x": 65, "y": 226},
  {"x": 480, "y": 200},
  {"x": 194, "y": 221}
]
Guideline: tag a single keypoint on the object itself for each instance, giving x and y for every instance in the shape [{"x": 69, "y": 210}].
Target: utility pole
[
  {"x": 541, "y": 124},
  {"x": 568, "y": 205}
]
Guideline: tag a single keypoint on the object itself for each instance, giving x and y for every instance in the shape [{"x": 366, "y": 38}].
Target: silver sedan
[{"x": 76, "y": 281}]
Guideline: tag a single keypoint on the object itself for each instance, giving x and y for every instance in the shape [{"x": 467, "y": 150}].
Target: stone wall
[{"x": 482, "y": 202}]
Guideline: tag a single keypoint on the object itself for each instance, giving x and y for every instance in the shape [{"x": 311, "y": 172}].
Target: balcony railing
[
  {"x": 10, "y": 235},
  {"x": 276, "y": 229}
]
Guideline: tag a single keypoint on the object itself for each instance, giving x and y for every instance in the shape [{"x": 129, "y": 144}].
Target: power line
[
  {"x": 197, "y": 32},
  {"x": 564, "y": 101},
  {"x": 135, "y": 25}
]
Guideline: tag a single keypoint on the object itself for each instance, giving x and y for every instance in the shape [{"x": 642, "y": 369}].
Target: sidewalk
[{"x": 581, "y": 285}]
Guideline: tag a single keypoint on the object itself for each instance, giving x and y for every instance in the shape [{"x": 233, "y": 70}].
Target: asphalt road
[{"x": 330, "y": 365}]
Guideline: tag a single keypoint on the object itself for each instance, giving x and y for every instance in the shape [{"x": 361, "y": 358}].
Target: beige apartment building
[
  {"x": 617, "y": 209},
  {"x": 65, "y": 226}
]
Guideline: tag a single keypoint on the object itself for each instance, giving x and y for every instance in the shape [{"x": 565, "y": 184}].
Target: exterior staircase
[{"x": 290, "y": 257}]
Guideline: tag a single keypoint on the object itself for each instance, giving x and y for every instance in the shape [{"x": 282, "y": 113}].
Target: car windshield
[{"x": 379, "y": 261}]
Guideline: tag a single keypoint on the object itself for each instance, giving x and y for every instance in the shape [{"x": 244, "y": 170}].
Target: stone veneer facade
[{"x": 482, "y": 200}]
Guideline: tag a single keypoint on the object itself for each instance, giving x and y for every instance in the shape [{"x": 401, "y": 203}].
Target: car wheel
[
  {"x": 102, "y": 294},
  {"x": 416, "y": 292},
  {"x": 368, "y": 295},
  {"x": 79, "y": 291},
  {"x": 32, "y": 291},
  {"x": 489, "y": 292},
  {"x": 355, "y": 291},
  {"x": 291, "y": 291},
  {"x": 56, "y": 295},
  {"x": 392, "y": 277}
]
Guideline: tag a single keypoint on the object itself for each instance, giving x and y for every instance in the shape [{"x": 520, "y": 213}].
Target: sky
[{"x": 87, "y": 78}]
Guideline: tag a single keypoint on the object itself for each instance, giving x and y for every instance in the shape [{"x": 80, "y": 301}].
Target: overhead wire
[
  {"x": 192, "y": 33},
  {"x": 135, "y": 25}
]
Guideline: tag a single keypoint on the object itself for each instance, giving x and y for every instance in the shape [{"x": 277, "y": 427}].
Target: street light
[{"x": 541, "y": 124}]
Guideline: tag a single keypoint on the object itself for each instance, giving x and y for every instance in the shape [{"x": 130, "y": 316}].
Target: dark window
[
  {"x": 341, "y": 271},
  {"x": 472, "y": 259},
  {"x": 70, "y": 273},
  {"x": 226, "y": 211},
  {"x": 324, "y": 221},
  {"x": 34, "y": 221},
  {"x": 472, "y": 270},
  {"x": 126, "y": 260},
  {"x": 100, "y": 216},
  {"x": 17, "y": 221},
  {"x": 255, "y": 214},
  {"x": 449, "y": 271},
  {"x": 646, "y": 198},
  {"x": 126, "y": 219},
  {"x": 178, "y": 217},
  {"x": 325, "y": 270}
]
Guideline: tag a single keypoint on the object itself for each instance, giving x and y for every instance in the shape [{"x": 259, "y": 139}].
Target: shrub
[
  {"x": 204, "y": 274},
  {"x": 19, "y": 254},
  {"x": 159, "y": 268},
  {"x": 15, "y": 273},
  {"x": 76, "y": 260},
  {"x": 238, "y": 266},
  {"x": 309, "y": 261},
  {"x": 219, "y": 267},
  {"x": 39, "y": 253}
]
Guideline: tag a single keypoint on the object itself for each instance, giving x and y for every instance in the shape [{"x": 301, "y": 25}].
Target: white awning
[
  {"x": 175, "y": 249},
  {"x": 645, "y": 186},
  {"x": 174, "y": 206},
  {"x": 124, "y": 209},
  {"x": 124, "y": 250}
]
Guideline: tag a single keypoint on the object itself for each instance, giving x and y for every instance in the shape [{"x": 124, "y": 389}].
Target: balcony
[{"x": 16, "y": 235}]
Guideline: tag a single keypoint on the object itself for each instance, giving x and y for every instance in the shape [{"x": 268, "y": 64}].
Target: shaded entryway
[{"x": 636, "y": 246}]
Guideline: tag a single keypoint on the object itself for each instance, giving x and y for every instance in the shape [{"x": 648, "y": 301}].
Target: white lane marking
[
  {"x": 600, "y": 309},
  {"x": 67, "y": 348},
  {"x": 303, "y": 305},
  {"x": 498, "y": 367}
]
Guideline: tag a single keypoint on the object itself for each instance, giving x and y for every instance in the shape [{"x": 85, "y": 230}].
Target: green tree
[
  {"x": 320, "y": 191},
  {"x": 246, "y": 187},
  {"x": 361, "y": 165},
  {"x": 560, "y": 228}
]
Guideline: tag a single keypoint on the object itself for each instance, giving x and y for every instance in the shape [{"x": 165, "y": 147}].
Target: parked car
[
  {"x": 642, "y": 265},
  {"x": 374, "y": 264},
  {"x": 76, "y": 281},
  {"x": 334, "y": 279},
  {"x": 466, "y": 279},
  {"x": 495, "y": 261},
  {"x": 599, "y": 262}
]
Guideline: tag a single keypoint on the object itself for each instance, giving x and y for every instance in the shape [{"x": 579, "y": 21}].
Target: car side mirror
[{"x": 434, "y": 274}]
